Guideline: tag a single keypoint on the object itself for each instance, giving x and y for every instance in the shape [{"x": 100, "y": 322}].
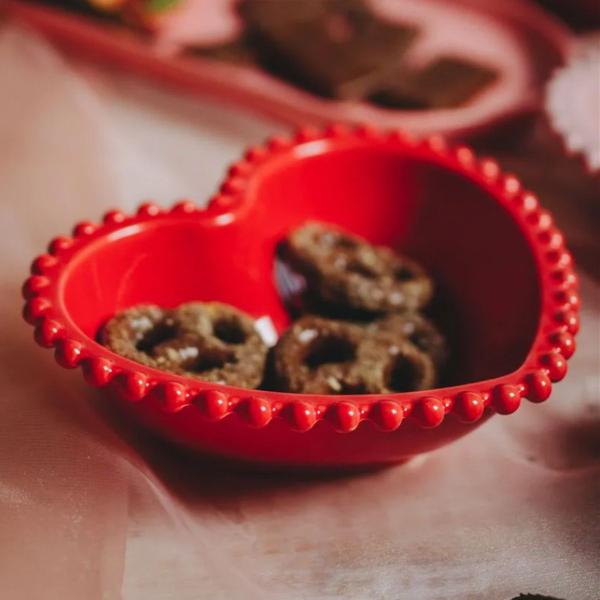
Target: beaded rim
[{"x": 545, "y": 363}]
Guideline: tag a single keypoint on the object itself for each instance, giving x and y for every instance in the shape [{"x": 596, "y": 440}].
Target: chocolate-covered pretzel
[
  {"x": 418, "y": 330},
  {"x": 209, "y": 341},
  {"x": 322, "y": 356},
  {"x": 346, "y": 271},
  {"x": 130, "y": 333}
]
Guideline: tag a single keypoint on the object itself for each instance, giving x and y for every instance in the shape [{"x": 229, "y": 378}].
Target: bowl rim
[{"x": 544, "y": 364}]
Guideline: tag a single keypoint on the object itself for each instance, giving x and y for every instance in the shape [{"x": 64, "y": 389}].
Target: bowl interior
[{"x": 488, "y": 299}]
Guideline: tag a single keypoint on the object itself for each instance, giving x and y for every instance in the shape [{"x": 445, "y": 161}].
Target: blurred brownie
[
  {"x": 447, "y": 82},
  {"x": 334, "y": 49}
]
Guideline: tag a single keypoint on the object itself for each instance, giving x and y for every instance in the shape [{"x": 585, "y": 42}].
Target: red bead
[
  {"x": 506, "y": 399},
  {"x": 214, "y": 404},
  {"x": 560, "y": 258},
  {"x": 564, "y": 341},
  {"x": 43, "y": 263},
  {"x": 47, "y": 332},
  {"x": 490, "y": 169},
  {"x": 336, "y": 130},
  {"x": 84, "y": 228},
  {"x": 465, "y": 156},
  {"x": 529, "y": 202},
  {"x": 233, "y": 185},
  {"x": 556, "y": 365},
  {"x": 222, "y": 202},
  {"x": 184, "y": 207},
  {"x": 436, "y": 143},
  {"x": 407, "y": 408},
  {"x": 541, "y": 219},
  {"x": 565, "y": 282},
  {"x": 148, "y": 209},
  {"x": 570, "y": 318},
  {"x": 552, "y": 238},
  {"x": 68, "y": 353},
  {"x": 538, "y": 386},
  {"x": 567, "y": 298},
  {"x": 59, "y": 244},
  {"x": 511, "y": 185},
  {"x": 114, "y": 217},
  {"x": 307, "y": 134},
  {"x": 469, "y": 406},
  {"x": 34, "y": 285},
  {"x": 255, "y": 411},
  {"x": 239, "y": 169},
  {"x": 387, "y": 414},
  {"x": 173, "y": 396},
  {"x": 344, "y": 416},
  {"x": 572, "y": 279},
  {"x": 302, "y": 415},
  {"x": 544, "y": 220},
  {"x": 135, "y": 386},
  {"x": 278, "y": 143},
  {"x": 98, "y": 371},
  {"x": 35, "y": 309},
  {"x": 366, "y": 131},
  {"x": 255, "y": 154},
  {"x": 430, "y": 412}
]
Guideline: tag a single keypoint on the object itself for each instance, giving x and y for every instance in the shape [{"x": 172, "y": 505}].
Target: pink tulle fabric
[{"x": 93, "y": 509}]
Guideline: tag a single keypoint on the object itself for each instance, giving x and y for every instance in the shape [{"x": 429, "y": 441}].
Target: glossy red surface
[{"x": 507, "y": 294}]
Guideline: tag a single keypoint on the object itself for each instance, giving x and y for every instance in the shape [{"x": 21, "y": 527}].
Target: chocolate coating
[
  {"x": 209, "y": 341},
  {"x": 448, "y": 82},
  {"x": 346, "y": 271},
  {"x": 416, "y": 329},
  {"x": 322, "y": 356}
]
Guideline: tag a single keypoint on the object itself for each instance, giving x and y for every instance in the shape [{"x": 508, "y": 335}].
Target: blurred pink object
[
  {"x": 514, "y": 36},
  {"x": 573, "y": 102}
]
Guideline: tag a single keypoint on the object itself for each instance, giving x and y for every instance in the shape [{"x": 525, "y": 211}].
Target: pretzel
[
  {"x": 209, "y": 341},
  {"x": 418, "y": 330},
  {"x": 347, "y": 272},
  {"x": 322, "y": 356}
]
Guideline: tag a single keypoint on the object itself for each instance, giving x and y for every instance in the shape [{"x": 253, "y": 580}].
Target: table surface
[{"x": 92, "y": 509}]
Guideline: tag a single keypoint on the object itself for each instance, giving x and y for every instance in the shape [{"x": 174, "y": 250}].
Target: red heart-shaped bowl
[{"x": 507, "y": 294}]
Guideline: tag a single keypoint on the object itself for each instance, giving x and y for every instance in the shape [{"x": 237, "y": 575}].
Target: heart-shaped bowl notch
[{"x": 506, "y": 294}]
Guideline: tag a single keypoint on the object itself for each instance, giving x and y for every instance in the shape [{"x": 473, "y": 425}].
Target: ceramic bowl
[{"x": 507, "y": 294}]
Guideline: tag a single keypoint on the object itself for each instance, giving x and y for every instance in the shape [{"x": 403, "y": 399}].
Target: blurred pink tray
[{"x": 515, "y": 36}]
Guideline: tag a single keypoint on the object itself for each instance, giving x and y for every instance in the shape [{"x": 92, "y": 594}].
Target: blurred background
[{"x": 518, "y": 79}]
